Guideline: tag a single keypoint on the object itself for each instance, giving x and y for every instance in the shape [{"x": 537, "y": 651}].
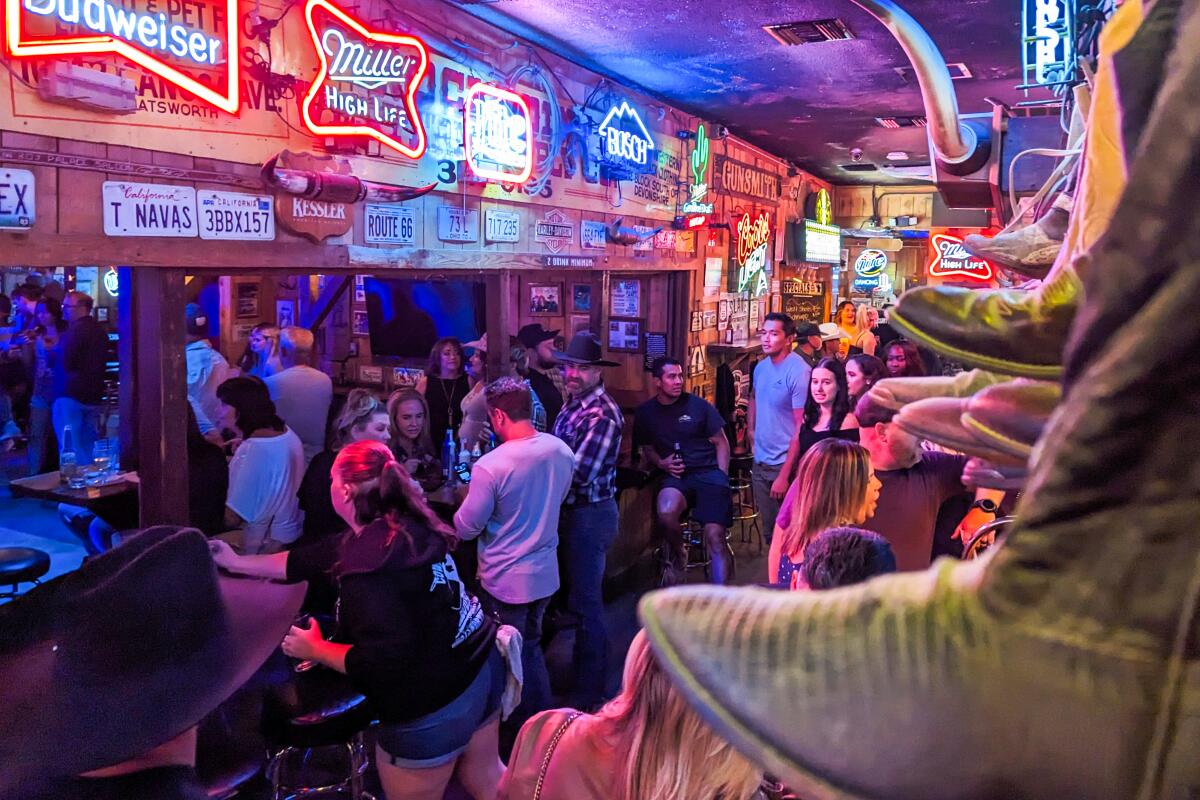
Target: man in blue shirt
[
  {"x": 684, "y": 436},
  {"x": 778, "y": 392}
]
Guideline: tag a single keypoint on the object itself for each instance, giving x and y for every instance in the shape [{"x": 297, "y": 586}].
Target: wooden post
[
  {"x": 499, "y": 321},
  {"x": 155, "y": 351}
]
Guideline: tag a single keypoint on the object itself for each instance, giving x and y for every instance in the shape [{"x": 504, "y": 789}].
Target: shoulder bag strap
[{"x": 558, "y": 734}]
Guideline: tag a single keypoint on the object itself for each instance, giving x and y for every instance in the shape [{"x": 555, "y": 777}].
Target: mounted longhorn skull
[
  {"x": 627, "y": 236},
  {"x": 335, "y": 188}
]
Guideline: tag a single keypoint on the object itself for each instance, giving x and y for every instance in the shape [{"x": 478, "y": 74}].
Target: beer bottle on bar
[{"x": 448, "y": 456}]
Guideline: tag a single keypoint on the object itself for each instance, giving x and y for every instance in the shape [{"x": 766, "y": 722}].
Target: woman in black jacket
[{"x": 410, "y": 636}]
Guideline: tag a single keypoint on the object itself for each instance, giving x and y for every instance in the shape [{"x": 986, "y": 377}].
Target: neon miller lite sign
[{"x": 385, "y": 68}]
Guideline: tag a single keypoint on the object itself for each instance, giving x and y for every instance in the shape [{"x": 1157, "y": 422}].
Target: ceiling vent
[
  {"x": 891, "y": 123},
  {"x": 820, "y": 30},
  {"x": 958, "y": 72},
  {"x": 859, "y": 167}
]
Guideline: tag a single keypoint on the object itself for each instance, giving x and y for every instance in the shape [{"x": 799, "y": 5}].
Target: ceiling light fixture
[{"x": 790, "y": 34}]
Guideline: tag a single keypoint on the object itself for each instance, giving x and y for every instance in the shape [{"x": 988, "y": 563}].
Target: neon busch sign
[
  {"x": 153, "y": 41},
  {"x": 498, "y": 134},
  {"x": 950, "y": 258},
  {"x": 367, "y": 83},
  {"x": 624, "y": 141},
  {"x": 753, "y": 234}
]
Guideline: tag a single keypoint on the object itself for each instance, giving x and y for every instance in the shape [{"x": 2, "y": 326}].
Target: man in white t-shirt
[
  {"x": 302, "y": 394},
  {"x": 264, "y": 484},
  {"x": 206, "y": 370},
  {"x": 512, "y": 507}
]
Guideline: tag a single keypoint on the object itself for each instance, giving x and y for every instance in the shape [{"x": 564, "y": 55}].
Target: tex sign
[{"x": 158, "y": 43}]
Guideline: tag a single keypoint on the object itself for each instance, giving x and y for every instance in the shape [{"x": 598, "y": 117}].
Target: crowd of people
[{"x": 290, "y": 491}]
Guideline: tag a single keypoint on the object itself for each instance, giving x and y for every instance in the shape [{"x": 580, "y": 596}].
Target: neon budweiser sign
[
  {"x": 367, "y": 82},
  {"x": 951, "y": 259},
  {"x": 152, "y": 40}
]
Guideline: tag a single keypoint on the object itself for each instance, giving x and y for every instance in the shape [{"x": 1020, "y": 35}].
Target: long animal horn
[
  {"x": 333, "y": 187},
  {"x": 627, "y": 236}
]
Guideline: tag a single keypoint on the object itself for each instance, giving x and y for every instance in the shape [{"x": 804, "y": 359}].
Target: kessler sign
[
  {"x": 367, "y": 82},
  {"x": 150, "y": 39}
]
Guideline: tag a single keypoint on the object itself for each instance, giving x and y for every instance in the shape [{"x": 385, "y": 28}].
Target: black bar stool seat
[{"x": 21, "y": 565}]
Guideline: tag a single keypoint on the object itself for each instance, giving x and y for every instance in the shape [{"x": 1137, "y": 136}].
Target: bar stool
[
  {"x": 745, "y": 509},
  {"x": 317, "y": 720},
  {"x": 21, "y": 565}
]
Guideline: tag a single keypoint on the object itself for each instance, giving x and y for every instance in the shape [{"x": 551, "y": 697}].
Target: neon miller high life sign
[{"x": 367, "y": 82}]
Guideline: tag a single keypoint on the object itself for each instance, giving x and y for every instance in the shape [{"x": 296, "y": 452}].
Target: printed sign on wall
[
  {"x": 149, "y": 209},
  {"x": 593, "y": 235},
  {"x": 234, "y": 216},
  {"x": 18, "y": 199},
  {"x": 390, "y": 224},
  {"x": 554, "y": 230},
  {"x": 457, "y": 224},
  {"x": 501, "y": 226}
]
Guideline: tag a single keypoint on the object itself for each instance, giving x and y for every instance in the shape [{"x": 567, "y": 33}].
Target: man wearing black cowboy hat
[
  {"x": 590, "y": 423},
  {"x": 106, "y": 671},
  {"x": 544, "y": 376}
]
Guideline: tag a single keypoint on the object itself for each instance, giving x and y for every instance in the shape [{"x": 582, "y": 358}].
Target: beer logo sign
[
  {"x": 154, "y": 36},
  {"x": 870, "y": 262},
  {"x": 367, "y": 82},
  {"x": 950, "y": 259},
  {"x": 753, "y": 235},
  {"x": 498, "y": 136}
]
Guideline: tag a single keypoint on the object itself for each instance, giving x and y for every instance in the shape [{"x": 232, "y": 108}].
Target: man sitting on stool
[{"x": 684, "y": 436}]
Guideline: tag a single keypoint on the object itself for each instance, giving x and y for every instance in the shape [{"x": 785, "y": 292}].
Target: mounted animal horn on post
[
  {"x": 333, "y": 187},
  {"x": 626, "y": 236}
]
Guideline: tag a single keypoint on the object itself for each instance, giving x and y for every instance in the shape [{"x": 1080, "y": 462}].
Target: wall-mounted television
[
  {"x": 822, "y": 243},
  {"x": 405, "y": 317}
]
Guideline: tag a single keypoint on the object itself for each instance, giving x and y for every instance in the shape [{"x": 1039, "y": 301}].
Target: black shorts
[{"x": 707, "y": 494}]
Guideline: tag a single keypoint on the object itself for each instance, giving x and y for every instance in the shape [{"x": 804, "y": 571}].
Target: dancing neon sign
[
  {"x": 144, "y": 38},
  {"x": 951, "y": 259},
  {"x": 498, "y": 134},
  {"x": 355, "y": 62}
]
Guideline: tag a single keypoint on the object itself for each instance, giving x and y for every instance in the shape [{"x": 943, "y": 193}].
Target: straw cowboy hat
[
  {"x": 126, "y": 653},
  {"x": 1066, "y": 662}
]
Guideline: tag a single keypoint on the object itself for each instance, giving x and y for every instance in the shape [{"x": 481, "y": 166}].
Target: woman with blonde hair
[
  {"x": 411, "y": 442},
  {"x": 835, "y": 486},
  {"x": 362, "y": 418},
  {"x": 866, "y": 317},
  {"x": 261, "y": 358},
  {"x": 645, "y": 744}
]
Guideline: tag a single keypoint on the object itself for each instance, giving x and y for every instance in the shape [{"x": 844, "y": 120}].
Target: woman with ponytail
[{"x": 409, "y": 635}]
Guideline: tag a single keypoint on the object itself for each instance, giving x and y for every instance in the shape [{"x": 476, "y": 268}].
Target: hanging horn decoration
[
  {"x": 334, "y": 188},
  {"x": 627, "y": 236}
]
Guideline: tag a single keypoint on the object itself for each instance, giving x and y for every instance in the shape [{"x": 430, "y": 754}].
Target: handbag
[{"x": 558, "y": 734}]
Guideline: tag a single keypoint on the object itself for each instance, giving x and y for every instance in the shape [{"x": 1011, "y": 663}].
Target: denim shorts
[{"x": 441, "y": 736}]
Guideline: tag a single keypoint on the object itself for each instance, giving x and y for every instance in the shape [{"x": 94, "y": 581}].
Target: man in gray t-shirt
[{"x": 777, "y": 397}]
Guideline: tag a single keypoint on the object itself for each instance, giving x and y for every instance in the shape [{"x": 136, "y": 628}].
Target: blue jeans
[
  {"x": 527, "y": 618},
  {"x": 85, "y": 426},
  {"x": 585, "y": 532}
]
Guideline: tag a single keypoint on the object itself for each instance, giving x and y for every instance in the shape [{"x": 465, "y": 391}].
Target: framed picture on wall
[
  {"x": 625, "y": 335},
  {"x": 361, "y": 324},
  {"x": 625, "y": 298},
  {"x": 285, "y": 313},
  {"x": 579, "y": 322},
  {"x": 246, "y": 300},
  {"x": 545, "y": 299},
  {"x": 581, "y": 298}
]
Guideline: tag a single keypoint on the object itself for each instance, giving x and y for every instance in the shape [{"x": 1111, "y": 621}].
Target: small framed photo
[
  {"x": 545, "y": 299},
  {"x": 362, "y": 325},
  {"x": 625, "y": 335},
  {"x": 697, "y": 322},
  {"x": 246, "y": 300},
  {"x": 285, "y": 313},
  {"x": 581, "y": 298},
  {"x": 625, "y": 298},
  {"x": 101, "y": 313},
  {"x": 579, "y": 322}
]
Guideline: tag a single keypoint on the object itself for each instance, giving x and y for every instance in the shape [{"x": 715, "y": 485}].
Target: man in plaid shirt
[{"x": 590, "y": 423}]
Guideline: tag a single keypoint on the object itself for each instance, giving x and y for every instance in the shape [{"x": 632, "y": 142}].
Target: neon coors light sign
[
  {"x": 367, "y": 83},
  {"x": 753, "y": 236},
  {"x": 143, "y": 38}
]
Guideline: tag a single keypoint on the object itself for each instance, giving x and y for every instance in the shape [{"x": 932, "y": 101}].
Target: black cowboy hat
[
  {"x": 584, "y": 349},
  {"x": 126, "y": 653},
  {"x": 534, "y": 334}
]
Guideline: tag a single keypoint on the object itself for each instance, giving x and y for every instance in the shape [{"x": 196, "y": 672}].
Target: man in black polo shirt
[{"x": 684, "y": 436}]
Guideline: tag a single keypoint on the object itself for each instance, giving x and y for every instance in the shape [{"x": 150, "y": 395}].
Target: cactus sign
[{"x": 695, "y": 203}]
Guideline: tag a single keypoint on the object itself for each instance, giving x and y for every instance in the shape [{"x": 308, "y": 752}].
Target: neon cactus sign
[
  {"x": 951, "y": 259},
  {"x": 146, "y": 39},
  {"x": 753, "y": 235},
  {"x": 498, "y": 134},
  {"x": 695, "y": 203},
  {"x": 355, "y": 62}
]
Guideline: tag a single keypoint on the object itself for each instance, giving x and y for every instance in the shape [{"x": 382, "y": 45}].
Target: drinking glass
[{"x": 102, "y": 458}]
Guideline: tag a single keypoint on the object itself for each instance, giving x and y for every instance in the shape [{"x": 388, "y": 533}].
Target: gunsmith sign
[{"x": 734, "y": 177}]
